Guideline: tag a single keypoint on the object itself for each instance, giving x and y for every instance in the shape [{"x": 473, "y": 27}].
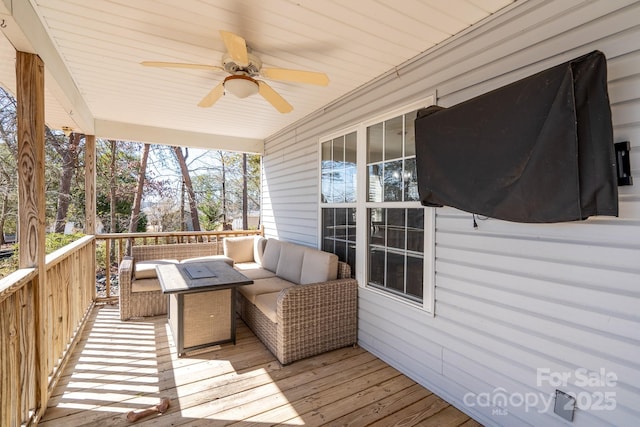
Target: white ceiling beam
[
  {"x": 23, "y": 29},
  {"x": 175, "y": 137}
]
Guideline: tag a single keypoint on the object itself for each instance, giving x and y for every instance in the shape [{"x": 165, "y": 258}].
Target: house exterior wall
[{"x": 520, "y": 309}]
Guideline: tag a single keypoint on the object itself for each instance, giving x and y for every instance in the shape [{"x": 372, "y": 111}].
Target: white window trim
[{"x": 361, "y": 206}]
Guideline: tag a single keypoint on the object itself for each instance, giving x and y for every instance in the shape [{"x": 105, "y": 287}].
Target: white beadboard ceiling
[{"x": 94, "y": 48}]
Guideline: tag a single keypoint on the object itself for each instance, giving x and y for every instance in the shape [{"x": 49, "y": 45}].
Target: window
[
  {"x": 369, "y": 195},
  {"x": 338, "y": 192},
  {"x": 396, "y": 239}
]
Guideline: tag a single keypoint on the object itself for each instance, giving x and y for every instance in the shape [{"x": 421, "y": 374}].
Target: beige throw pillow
[{"x": 239, "y": 248}]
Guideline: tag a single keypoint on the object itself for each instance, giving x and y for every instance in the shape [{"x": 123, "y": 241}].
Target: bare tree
[
  {"x": 7, "y": 184},
  {"x": 68, "y": 150},
  {"x": 186, "y": 179},
  {"x": 245, "y": 194},
  {"x": 112, "y": 187},
  {"x": 223, "y": 181},
  {"x": 234, "y": 181},
  {"x": 137, "y": 201},
  {"x": 8, "y": 168}
]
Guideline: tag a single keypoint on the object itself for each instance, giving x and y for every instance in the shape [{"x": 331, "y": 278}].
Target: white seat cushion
[
  {"x": 254, "y": 271},
  {"x": 145, "y": 285},
  {"x": 264, "y": 286},
  {"x": 247, "y": 266},
  {"x": 268, "y": 304},
  {"x": 147, "y": 269},
  {"x": 209, "y": 258}
]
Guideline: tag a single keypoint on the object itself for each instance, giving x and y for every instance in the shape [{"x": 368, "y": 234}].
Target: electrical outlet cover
[{"x": 565, "y": 405}]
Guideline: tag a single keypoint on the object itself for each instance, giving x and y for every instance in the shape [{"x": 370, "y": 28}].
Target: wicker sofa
[
  {"x": 303, "y": 301},
  {"x": 140, "y": 293}
]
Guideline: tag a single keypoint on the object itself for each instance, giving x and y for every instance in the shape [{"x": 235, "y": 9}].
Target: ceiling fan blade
[
  {"x": 181, "y": 65},
  {"x": 298, "y": 76},
  {"x": 212, "y": 96},
  {"x": 274, "y": 97},
  {"x": 237, "y": 48}
]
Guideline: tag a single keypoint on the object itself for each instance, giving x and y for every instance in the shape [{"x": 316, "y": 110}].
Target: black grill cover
[{"x": 538, "y": 150}]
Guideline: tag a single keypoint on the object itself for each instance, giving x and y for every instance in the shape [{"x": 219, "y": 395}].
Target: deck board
[{"x": 119, "y": 366}]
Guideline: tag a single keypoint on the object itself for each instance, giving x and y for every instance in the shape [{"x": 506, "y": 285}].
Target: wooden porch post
[
  {"x": 90, "y": 184},
  {"x": 31, "y": 202},
  {"x": 90, "y": 195}
]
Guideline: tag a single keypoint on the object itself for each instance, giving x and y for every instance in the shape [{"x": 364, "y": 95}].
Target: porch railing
[
  {"x": 112, "y": 247},
  {"x": 29, "y": 367}
]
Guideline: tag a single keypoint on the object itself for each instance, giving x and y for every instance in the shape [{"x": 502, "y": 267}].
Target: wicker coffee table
[{"x": 201, "y": 302}]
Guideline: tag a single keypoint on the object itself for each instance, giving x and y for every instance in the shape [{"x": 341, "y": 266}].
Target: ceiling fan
[{"x": 244, "y": 68}]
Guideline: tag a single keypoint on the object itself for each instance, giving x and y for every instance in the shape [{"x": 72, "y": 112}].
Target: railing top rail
[
  {"x": 174, "y": 233},
  {"x": 58, "y": 255},
  {"x": 14, "y": 281}
]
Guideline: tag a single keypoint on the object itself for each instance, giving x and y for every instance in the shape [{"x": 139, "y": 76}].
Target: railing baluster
[{"x": 107, "y": 275}]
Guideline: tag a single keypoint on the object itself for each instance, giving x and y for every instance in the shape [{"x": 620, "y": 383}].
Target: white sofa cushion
[
  {"x": 268, "y": 304},
  {"x": 271, "y": 254},
  {"x": 290, "y": 262},
  {"x": 239, "y": 248},
  {"x": 254, "y": 271},
  {"x": 147, "y": 269},
  {"x": 145, "y": 285},
  {"x": 209, "y": 258},
  {"x": 264, "y": 286},
  {"x": 318, "y": 266},
  {"x": 258, "y": 248}
]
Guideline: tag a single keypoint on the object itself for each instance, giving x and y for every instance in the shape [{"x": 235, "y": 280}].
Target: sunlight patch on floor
[{"x": 117, "y": 366}]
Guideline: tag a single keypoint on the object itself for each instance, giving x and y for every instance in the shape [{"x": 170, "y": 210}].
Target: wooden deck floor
[{"x": 119, "y": 367}]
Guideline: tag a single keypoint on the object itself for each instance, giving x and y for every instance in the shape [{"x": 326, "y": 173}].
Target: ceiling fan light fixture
[{"x": 241, "y": 86}]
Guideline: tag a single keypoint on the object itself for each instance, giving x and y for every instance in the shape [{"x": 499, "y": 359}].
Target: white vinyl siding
[{"x": 510, "y": 298}]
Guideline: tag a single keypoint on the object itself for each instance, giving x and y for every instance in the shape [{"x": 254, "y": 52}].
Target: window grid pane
[
  {"x": 396, "y": 259},
  {"x": 339, "y": 171},
  {"x": 375, "y": 145},
  {"x": 339, "y": 235},
  {"x": 393, "y": 138},
  {"x": 393, "y": 181},
  {"x": 375, "y": 182},
  {"x": 409, "y": 134},
  {"x": 350, "y": 153},
  {"x": 391, "y": 160},
  {"x": 326, "y": 170},
  {"x": 410, "y": 179}
]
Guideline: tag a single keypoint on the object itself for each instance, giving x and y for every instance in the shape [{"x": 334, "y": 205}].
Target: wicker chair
[{"x": 154, "y": 302}]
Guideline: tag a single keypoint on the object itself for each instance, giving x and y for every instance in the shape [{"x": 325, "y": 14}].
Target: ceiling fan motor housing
[{"x": 252, "y": 69}]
